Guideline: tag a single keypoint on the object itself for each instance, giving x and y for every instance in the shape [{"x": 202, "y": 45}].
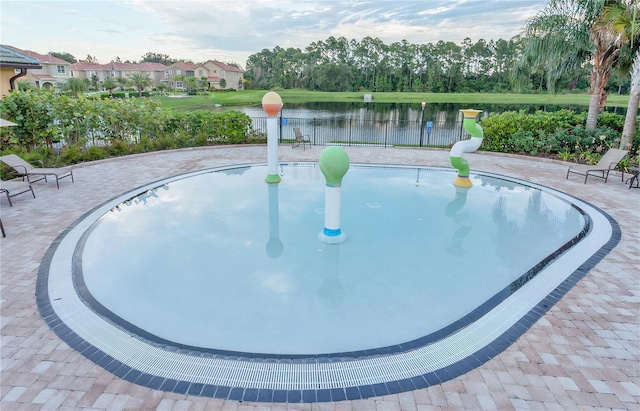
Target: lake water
[
  {"x": 395, "y": 111},
  {"x": 379, "y": 124}
]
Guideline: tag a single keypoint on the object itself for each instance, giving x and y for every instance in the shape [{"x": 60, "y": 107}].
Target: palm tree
[
  {"x": 75, "y": 85},
  {"x": 140, "y": 80},
  {"x": 109, "y": 85},
  {"x": 632, "y": 109},
  {"x": 122, "y": 82},
  {"x": 623, "y": 18},
  {"x": 565, "y": 35}
]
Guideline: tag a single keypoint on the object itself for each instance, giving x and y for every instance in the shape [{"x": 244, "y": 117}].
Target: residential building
[
  {"x": 86, "y": 70},
  {"x": 13, "y": 66},
  {"x": 215, "y": 71},
  {"x": 53, "y": 73},
  {"x": 175, "y": 74},
  {"x": 116, "y": 69}
]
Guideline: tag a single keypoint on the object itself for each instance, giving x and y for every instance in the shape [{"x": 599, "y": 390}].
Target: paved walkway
[{"x": 584, "y": 354}]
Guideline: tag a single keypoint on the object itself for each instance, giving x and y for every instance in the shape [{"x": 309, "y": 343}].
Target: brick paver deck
[{"x": 582, "y": 355}]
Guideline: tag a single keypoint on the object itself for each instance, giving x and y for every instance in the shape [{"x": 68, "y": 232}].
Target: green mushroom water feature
[{"x": 334, "y": 164}]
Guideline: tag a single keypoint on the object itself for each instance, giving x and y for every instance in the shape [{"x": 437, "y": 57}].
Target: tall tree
[
  {"x": 90, "y": 59},
  {"x": 158, "y": 58},
  {"x": 331, "y": 77},
  {"x": 565, "y": 35},
  {"x": 64, "y": 56},
  {"x": 624, "y": 19},
  {"x": 632, "y": 109}
]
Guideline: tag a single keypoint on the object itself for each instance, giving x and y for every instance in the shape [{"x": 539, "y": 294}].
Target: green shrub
[
  {"x": 561, "y": 133},
  {"x": 71, "y": 155},
  {"x": 118, "y": 148},
  {"x": 93, "y": 153}
]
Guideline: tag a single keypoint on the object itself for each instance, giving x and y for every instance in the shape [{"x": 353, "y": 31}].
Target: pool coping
[{"x": 328, "y": 393}]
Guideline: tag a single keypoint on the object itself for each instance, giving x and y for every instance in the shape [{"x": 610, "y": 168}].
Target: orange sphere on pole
[{"x": 272, "y": 103}]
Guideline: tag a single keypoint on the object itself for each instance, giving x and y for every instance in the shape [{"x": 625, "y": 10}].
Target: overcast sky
[{"x": 232, "y": 30}]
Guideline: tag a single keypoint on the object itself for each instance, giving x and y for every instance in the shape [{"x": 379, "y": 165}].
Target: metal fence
[
  {"x": 348, "y": 132},
  {"x": 384, "y": 133}
]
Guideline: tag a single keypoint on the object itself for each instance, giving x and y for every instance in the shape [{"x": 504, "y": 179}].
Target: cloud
[{"x": 200, "y": 30}]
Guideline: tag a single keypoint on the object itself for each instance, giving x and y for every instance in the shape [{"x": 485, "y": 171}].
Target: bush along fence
[{"x": 62, "y": 130}]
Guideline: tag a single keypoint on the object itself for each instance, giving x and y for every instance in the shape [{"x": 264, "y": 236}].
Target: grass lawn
[{"x": 246, "y": 97}]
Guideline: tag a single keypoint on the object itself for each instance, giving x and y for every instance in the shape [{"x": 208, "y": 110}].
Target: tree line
[
  {"x": 338, "y": 64},
  {"x": 584, "y": 45}
]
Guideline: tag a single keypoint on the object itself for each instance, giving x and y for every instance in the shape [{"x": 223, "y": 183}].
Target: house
[
  {"x": 175, "y": 74},
  {"x": 86, "y": 70},
  {"x": 155, "y": 71},
  {"x": 53, "y": 71},
  {"x": 116, "y": 69},
  {"x": 215, "y": 71},
  {"x": 13, "y": 66}
]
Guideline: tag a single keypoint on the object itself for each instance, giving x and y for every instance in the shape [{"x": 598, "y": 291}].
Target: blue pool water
[{"x": 220, "y": 260}]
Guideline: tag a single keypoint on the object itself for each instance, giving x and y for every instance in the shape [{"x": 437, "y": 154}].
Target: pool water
[{"x": 221, "y": 260}]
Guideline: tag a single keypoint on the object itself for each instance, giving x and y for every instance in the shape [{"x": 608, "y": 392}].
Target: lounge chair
[
  {"x": 13, "y": 188},
  {"x": 300, "y": 138},
  {"x": 601, "y": 170},
  {"x": 25, "y": 169}
]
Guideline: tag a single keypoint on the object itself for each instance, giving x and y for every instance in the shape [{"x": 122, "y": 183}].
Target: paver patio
[{"x": 584, "y": 354}]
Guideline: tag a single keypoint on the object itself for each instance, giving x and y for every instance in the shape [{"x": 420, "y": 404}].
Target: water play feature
[
  {"x": 272, "y": 104},
  {"x": 466, "y": 146},
  {"x": 334, "y": 164},
  {"x": 172, "y": 286}
]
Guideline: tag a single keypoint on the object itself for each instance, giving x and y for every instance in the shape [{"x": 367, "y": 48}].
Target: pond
[
  {"x": 380, "y": 124},
  {"x": 449, "y": 112}
]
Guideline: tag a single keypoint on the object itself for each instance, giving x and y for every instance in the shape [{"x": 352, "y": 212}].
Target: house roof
[
  {"x": 11, "y": 58},
  {"x": 44, "y": 77},
  {"x": 224, "y": 66},
  {"x": 117, "y": 65},
  {"x": 81, "y": 65},
  {"x": 42, "y": 58},
  {"x": 184, "y": 65},
  {"x": 150, "y": 66}
]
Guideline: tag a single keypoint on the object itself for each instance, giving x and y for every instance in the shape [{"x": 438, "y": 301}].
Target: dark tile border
[{"x": 323, "y": 395}]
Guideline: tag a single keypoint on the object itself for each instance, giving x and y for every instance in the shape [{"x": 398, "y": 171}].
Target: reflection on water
[
  {"x": 463, "y": 221},
  {"x": 439, "y": 112},
  {"x": 274, "y": 247},
  {"x": 222, "y": 260}
]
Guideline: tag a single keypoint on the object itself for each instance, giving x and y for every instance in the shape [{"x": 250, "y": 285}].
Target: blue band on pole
[{"x": 331, "y": 233}]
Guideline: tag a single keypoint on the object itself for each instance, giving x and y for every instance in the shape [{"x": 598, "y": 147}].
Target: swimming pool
[{"x": 248, "y": 289}]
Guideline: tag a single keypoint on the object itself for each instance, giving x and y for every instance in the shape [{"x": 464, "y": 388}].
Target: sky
[{"x": 232, "y": 30}]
